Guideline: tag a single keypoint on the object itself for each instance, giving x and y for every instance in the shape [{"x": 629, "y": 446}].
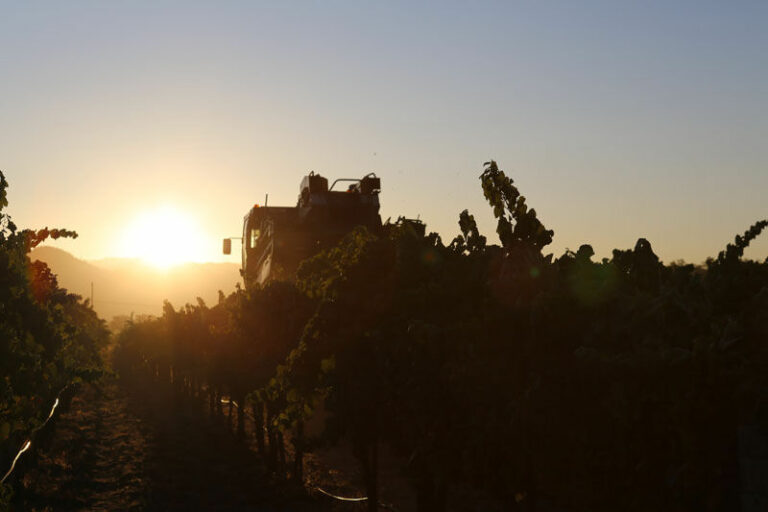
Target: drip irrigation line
[
  {"x": 28, "y": 444},
  {"x": 16, "y": 459},
  {"x": 356, "y": 500},
  {"x": 340, "y": 498},
  {"x": 227, "y": 400}
]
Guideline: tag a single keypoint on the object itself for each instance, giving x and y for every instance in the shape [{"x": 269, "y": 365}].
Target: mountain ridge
[{"x": 125, "y": 286}]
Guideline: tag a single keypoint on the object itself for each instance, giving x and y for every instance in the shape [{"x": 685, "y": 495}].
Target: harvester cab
[{"x": 276, "y": 239}]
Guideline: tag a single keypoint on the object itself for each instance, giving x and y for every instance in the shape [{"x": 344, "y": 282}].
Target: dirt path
[
  {"x": 96, "y": 460},
  {"x": 196, "y": 464},
  {"x": 136, "y": 450}
]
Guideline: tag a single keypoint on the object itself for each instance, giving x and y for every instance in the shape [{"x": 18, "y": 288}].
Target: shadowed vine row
[
  {"x": 49, "y": 339},
  {"x": 492, "y": 370}
]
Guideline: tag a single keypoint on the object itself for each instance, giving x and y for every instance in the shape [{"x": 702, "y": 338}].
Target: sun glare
[{"x": 164, "y": 237}]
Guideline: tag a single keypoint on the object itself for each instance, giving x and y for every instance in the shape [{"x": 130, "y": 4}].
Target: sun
[{"x": 163, "y": 237}]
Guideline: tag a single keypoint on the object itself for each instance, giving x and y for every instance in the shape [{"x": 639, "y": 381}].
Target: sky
[{"x": 617, "y": 120}]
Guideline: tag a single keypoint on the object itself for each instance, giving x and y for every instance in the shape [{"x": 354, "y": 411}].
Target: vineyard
[
  {"x": 491, "y": 371},
  {"x": 50, "y": 341}
]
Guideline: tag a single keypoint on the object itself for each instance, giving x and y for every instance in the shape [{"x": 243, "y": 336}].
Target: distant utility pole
[{"x": 91, "y": 294}]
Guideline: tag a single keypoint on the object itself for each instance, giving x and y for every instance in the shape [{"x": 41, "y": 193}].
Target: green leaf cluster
[{"x": 49, "y": 338}]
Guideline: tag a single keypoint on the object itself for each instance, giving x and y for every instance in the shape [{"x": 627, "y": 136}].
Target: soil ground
[
  {"x": 118, "y": 449},
  {"x": 137, "y": 446}
]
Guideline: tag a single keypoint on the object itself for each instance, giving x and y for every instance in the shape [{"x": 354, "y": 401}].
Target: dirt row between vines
[
  {"x": 118, "y": 449},
  {"x": 138, "y": 446}
]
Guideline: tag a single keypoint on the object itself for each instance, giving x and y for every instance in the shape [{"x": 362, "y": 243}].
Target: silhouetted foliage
[
  {"x": 48, "y": 338},
  {"x": 618, "y": 384}
]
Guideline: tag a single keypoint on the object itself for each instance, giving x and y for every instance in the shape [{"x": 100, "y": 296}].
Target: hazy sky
[{"x": 616, "y": 119}]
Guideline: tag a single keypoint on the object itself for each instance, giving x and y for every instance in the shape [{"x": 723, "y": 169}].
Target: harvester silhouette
[{"x": 276, "y": 239}]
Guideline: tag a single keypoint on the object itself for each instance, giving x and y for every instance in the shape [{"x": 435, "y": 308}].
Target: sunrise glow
[{"x": 163, "y": 237}]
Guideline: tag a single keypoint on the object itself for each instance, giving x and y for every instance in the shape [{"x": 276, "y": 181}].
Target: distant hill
[{"x": 125, "y": 286}]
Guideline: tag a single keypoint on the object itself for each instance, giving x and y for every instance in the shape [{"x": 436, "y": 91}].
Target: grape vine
[
  {"x": 49, "y": 338},
  {"x": 494, "y": 368}
]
